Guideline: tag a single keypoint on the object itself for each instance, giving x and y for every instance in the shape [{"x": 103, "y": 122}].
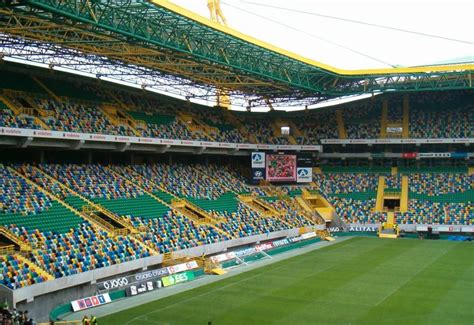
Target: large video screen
[{"x": 281, "y": 168}]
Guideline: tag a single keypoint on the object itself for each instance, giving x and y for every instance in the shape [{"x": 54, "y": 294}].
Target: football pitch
[{"x": 358, "y": 281}]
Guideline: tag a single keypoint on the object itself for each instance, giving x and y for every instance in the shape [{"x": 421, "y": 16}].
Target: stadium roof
[{"x": 158, "y": 45}]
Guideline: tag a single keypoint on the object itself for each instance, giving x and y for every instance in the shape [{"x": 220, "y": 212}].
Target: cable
[
  {"x": 359, "y": 22},
  {"x": 311, "y": 35}
]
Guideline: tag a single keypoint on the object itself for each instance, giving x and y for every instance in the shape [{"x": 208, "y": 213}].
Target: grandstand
[{"x": 101, "y": 181}]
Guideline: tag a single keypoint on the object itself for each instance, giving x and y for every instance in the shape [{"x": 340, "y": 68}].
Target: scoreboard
[{"x": 283, "y": 168}]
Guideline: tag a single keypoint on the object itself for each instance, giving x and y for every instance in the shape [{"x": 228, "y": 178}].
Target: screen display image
[{"x": 281, "y": 168}]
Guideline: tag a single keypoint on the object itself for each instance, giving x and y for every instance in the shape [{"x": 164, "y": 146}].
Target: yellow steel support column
[
  {"x": 394, "y": 171},
  {"x": 380, "y": 193},
  {"x": 340, "y": 125},
  {"x": 383, "y": 122},
  {"x": 404, "y": 195},
  {"x": 406, "y": 117}
]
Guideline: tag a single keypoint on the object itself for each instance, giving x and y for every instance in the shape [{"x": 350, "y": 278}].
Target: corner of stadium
[{"x": 159, "y": 167}]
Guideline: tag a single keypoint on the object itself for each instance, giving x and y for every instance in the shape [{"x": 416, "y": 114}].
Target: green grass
[{"x": 359, "y": 281}]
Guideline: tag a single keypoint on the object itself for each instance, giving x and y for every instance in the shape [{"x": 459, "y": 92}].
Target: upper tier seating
[
  {"x": 362, "y": 122},
  {"x": 79, "y": 118},
  {"x": 9, "y": 119},
  {"x": 316, "y": 127},
  {"x": 442, "y": 115}
]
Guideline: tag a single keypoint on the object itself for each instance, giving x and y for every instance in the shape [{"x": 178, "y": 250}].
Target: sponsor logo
[
  {"x": 304, "y": 175},
  {"x": 12, "y": 131},
  {"x": 363, "y": 229},
  {"x": 151, "y": 274},
  {"x": 257, "y": 157},
  {"x": 116, "y": 283},
  {"x": 44, "y": 133},
  {"x": 90, "y": 302},
  {"x": 72, "y": 135}
]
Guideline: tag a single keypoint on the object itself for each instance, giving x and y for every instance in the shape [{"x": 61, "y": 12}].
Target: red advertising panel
[
  {"x": 409, "y": 155},
  {"x": 281, "y": 168}
]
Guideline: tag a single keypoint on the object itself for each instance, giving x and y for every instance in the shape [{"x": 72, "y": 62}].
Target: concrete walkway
[{"x": 131, "y": 302}]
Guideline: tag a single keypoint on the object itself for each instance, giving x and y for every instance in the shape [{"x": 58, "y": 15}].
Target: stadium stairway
[
  {"x": 195, "y": 125},
  {"x": 380, "y": 194},
  {"x": 34, "y": 267},
  {"x": 260, "y": 206},
  {"x": 117, "y": 118},
  {"x": 404, "y": 194},
  {"x": 311, "y": 216},
  {"x": 23, "y": 246},
  {"x": 390, "y": 228},
  {"x": 341, "y": 130},
  {"x": 89, "y": 210},
  {"x": 318, "y": 204},
  {"x": 470, "y": 171}
]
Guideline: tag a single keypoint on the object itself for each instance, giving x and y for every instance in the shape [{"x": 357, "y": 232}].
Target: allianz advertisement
[
  {"x": 258, "y": 166},
  {"x": 258, "y": 159},
  {"x": 304, "y": 175}
]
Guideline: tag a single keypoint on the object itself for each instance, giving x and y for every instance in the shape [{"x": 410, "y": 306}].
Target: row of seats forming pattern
[
  {"x": 193, "y": 180},
  {"x": 80, "y": 118},
  {"x": 440, "y": 184},
  {"x": 173, "y": 231},
  {"x": 345, "y": 182},
  {"x": 290, "y": 213},
  {"x": 216, "y": 118},
  {"x": 362, "y": 122},
  {"x": 10, "y": 120},
  {"x": 428, "y": 212},
  {"x": 317, "y": 127},
  {"x": 19, "y": 197},
  {"x": 354, "y": 211},
  {"x": 39, "y": 178},
  {"x": 245, "y": 222},
  {"x": 181, "y": 179},
  {"x": 93, "y": 181},
  {"x": 81, "y": 249},
  {"x": 393, "y": 181},
  {"x": 442, "y": 115},
  {"x": 264, "y": 132},
  {"x": 431, "y": 116},
  {"x": 175, "y": 130},
  {"x": 15, "y": 274}
]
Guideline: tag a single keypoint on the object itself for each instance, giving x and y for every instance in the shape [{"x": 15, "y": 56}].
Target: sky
[{"x": 347, "y": 45}]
